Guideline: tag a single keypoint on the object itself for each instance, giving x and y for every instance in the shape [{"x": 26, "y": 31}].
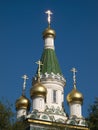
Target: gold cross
[
  {"x": 74, "y": 75},
  {"x": 24, "y": 83},
  {"x": 49, "y": 16},
  {"x": 39, "y": 67}
]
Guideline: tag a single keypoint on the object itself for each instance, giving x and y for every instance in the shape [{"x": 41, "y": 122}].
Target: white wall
[{"x": 75, "y": 109}]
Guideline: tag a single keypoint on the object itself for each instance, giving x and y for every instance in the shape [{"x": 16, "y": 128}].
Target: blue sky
[{"x": 21, "y": 25}]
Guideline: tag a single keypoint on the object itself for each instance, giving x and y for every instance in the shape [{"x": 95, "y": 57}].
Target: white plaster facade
[
  {"x": 38, "y": 104},
  {"x": 49, "y": 43},
  {"x": 75, "y": 110},
  {"x": 59, "y": 88},
  {"x": 21, "y": 112}
]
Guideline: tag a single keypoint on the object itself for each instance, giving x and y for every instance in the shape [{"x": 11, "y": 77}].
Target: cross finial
[
  {"x": 49, "y": 16},
  {"x": 24, "y": 83},
  {"x": 39, "y": 68},
  {"x": 74, "y": 76}
]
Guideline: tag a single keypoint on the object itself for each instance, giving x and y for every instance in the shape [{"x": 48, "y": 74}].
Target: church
[{"x": 46, "y": 110}]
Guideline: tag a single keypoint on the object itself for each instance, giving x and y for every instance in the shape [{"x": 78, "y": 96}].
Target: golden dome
[
  {"x": 38, "y": 90},
  {"x": 49, "y": 33},
  {"x": 75, "y": 96},
  {"x": 22, "y": 102}
]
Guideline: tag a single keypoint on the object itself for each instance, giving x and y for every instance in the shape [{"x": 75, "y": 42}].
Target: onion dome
[
  {"x": 38, "y": 90},
  {"x": 75, "y": 96},
  {"x": 49, "y": 33},
  {"x": 22, "y": 103}
]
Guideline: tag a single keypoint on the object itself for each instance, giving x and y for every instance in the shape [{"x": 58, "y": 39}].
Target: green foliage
[
  {"x": 93, "y": 115},
  {"x": 7, "y": 118},
  {"x": 19, "y": 126}
]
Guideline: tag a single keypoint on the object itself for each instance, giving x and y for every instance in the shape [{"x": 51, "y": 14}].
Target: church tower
[
  {"x": 47, "y": 93},
  {"x": 51, "y": 77}
]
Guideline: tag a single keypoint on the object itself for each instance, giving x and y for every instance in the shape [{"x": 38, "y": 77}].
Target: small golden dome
[
  {"x": 75, "y": 96},
  {"x": 49, "y": 33},
  {"x": 22, "y": 102},
  {"x": 38, "y": 90}
]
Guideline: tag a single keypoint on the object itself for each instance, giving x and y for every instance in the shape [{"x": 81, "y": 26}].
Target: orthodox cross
[
  {"x": 49, "y": 16},
  {"x": 74, "y": 76},
  {"x": 24, "y": 83},
  {"x": 39, "y": 68}
]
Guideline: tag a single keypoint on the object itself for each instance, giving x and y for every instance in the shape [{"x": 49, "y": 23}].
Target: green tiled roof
[{"x": 50, "y": 62}]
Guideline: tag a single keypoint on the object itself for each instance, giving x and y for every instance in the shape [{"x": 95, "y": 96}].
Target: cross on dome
[
  {"x": 24, "y": 83},
  {"x": 74, "y": 76},
  {"x": 39, "y": 67},
  {"x": 49, "y": 16}
]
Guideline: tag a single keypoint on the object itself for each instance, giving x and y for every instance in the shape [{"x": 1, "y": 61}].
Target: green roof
[{"x": 50, "y": 62}]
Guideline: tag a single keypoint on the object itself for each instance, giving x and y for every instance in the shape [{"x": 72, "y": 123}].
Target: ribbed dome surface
[
  {"x": 50, "y": 62},
  {"x": 75, "y": 96},
  {"x": 22, "y": 102}
]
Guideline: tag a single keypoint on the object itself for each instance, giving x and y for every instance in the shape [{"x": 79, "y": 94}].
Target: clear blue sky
[{"x": 21, "y": 25}]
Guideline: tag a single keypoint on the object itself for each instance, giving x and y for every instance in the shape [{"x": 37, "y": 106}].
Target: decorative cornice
[
  {"x": 52, "y": 77},
  {"x": 74, "y": 120},
  {"x": 56, "y": 124}
]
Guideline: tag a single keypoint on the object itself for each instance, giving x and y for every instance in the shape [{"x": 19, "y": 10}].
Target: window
[{"x": 54, "y": 96}]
